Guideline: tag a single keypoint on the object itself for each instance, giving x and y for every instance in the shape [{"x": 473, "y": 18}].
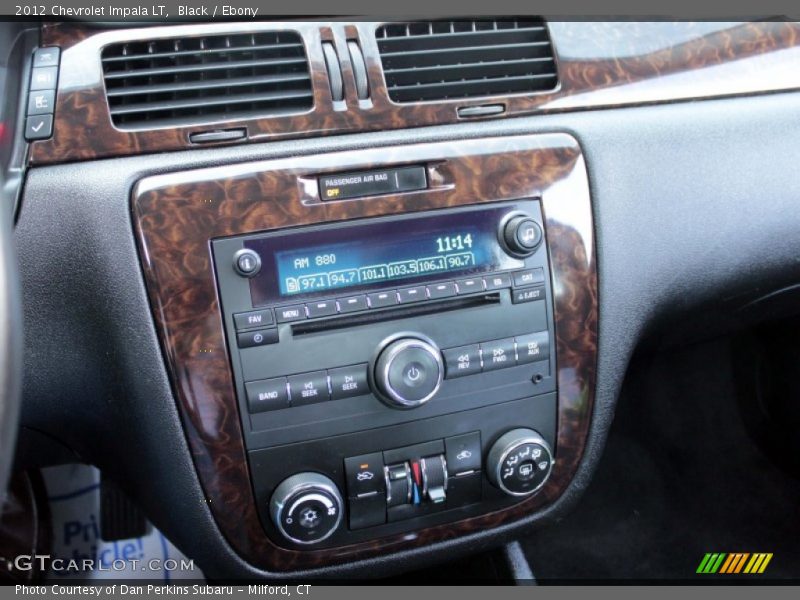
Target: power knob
[
  {"x": 306, "y": 508},
  {"x": 408, "y": 372},
  {"x": 520, "y": 462},
  {"x": 520, "y": 234}
]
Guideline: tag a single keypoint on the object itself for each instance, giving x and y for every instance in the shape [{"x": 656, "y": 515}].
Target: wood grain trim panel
[
  {"x": 176, "y": 215},
  {"x": 601, "y": 64}
]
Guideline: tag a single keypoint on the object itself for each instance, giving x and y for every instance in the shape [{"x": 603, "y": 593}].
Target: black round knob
[
  {"x": 246, "y": 262},
  {"x": 306, "y": 508},
  {"x": 520, "y": 462},
  {"x": 521, "y": 234},
  {"x": 408, "y": 372}
]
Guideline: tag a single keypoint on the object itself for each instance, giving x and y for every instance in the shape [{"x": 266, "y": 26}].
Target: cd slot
[{"x": 400, "y": 312}]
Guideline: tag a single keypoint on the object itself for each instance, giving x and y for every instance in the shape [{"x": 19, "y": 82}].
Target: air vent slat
[
  {"x": 180, "y": 81},
  {"x": 191, "y": 54},
  {"x": 206, "y": 101},
  {"x": 205, "y": 84},
  {"x": 461, "y": 40},
  {"x": 440, "y": 73},
  {"x": 228, "y": 65},
  {"x": 440, "y": 60}
]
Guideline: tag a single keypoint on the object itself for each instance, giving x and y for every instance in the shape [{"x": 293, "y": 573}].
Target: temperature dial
[
  {"x": 520, "y": 462},
  {"x": 408, "y": 372},
  {"x": 306, "y": 508}
]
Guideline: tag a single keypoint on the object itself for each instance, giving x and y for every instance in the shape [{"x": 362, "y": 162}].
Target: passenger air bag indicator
[{"x": 372, "y": 183}]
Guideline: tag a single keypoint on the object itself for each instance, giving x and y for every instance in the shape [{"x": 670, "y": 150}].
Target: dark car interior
[{"x": 506, "y": 299}]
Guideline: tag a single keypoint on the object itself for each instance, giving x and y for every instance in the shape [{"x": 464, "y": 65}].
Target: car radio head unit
[{"x": 317, "y": 261}]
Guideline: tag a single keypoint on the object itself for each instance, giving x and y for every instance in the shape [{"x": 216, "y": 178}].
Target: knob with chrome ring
[{"x": 408, "y": 372}]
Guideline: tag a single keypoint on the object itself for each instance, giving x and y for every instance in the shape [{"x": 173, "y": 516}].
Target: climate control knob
[
  {"x": 520, "y": 234},
  {"x": 306, "y": 508},
  {"x": 408, "y": 372},
  {"x": 520, "y": 462}
]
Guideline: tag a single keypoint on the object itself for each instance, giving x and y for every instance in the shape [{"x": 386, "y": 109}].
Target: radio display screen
[{"x": 378, "y": 254}]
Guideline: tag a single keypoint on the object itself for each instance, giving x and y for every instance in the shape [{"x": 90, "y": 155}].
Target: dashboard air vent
[
  {"x": 200, "y": 79},
  {"x": 440, "y": 60}
]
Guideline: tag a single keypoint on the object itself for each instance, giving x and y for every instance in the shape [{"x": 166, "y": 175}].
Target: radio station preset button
[
  {"x": 267, "y": 394},
  {"x": 518, "y": 296},
  {"x": 498, "y": 282},
  {"x": 308, "y": 388},
  {"x": 469, "y": 286},
  {"x": 446, "y": 289},
  {"x": 382, "y": 299},
  {"x": 352, "y": 304},
  {"x": 287, "y": 314},
  {"x": 347, "y": 382},
  {"x": 323, "y": 308},
  {"x": 256, "y": 318},
  {"x": 529, "y": 277},
  {"x": 259, "y": 337},
  {"x": 533, "y": 347},
  {"x": 461, "y": 361},
  {"x": 498, "y": 354},
  {"x": 411, "y": 294}
]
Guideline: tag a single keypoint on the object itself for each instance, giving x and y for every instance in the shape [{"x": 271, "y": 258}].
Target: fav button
[
  {"x": 464, "y": 360},
  {"x": 533, "y": 347},
  {"x": 308, "y": 388},
  {"x": 256, "y": 318},
  {"x": 498, "y": 354},
  {"x": 267, "y": 394},
  {"x": 347, "y": 382}
]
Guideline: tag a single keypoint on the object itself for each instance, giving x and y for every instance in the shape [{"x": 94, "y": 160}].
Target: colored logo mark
[{"x": 733, "y": 563}]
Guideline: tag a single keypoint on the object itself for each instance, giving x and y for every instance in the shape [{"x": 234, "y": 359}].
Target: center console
[
  {"x": 377, "y": 349},
  {"x": 366, "y": 356}
]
